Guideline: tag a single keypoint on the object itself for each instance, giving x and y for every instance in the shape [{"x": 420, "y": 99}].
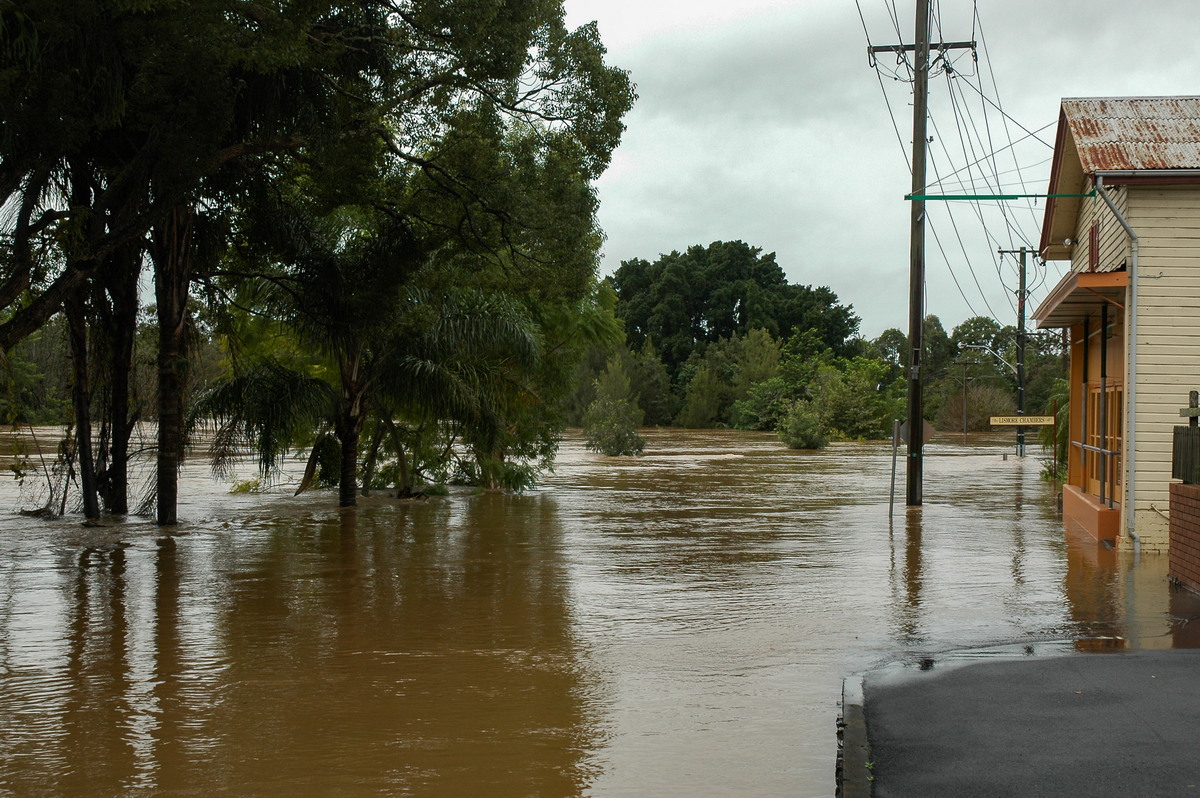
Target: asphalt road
[{"x": 1117, "y": 724}]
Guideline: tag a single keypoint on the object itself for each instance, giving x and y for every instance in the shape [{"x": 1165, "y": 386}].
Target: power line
[
  {"x": 883, "y": 90},
  {"x": 977, "y": 208},
  {"x": 1009, "y": 118},
  {"x": 969, "y": 132},
  {"x": 977, "y": 22},
  {"x": 890, "y": 5},
  {"x": 966, "y": 257},
  {"x": 1008, "y": 146},
  {"x": 979, "y": 144},
  {"x": 964, "y": 133},
  {"x": 938, "y": 240}
]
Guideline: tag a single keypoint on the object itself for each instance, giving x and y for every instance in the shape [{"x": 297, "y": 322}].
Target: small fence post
[{"x": 1185, "y": 445}]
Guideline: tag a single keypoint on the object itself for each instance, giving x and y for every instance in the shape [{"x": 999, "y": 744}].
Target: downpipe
[{"x": 1131, "y": 373}]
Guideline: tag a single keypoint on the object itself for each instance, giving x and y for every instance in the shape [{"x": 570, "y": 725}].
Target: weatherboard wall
[
  {"x": 1167, "y": 221},
  {"x": 1112, "y": 244}
]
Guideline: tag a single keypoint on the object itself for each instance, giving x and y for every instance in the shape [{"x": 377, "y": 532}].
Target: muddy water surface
[{"x": 676, "y": 624}]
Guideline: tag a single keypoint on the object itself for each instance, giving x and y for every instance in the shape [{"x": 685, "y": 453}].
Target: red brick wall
[{"x": 1184, "y": 553}]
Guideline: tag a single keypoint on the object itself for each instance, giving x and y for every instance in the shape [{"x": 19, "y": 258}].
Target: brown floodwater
[{"x": 677, "y": 624}]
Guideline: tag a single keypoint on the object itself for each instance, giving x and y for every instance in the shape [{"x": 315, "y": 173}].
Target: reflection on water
[
  {"x": 675, "y": 624},
  {"x": 907, "y": 607}
]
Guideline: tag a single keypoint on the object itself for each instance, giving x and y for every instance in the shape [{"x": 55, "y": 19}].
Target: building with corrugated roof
[{"x": 1124, "y": 208}]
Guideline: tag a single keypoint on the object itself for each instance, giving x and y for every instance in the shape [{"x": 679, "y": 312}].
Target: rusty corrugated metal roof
[{"x": 1117, "y": 133}]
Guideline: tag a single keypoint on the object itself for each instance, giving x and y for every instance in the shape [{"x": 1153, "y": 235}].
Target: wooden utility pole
[
  {"x": 1020, "y": 344},
  {"x": 1021, "y": 355},
  {"x": 916, "y": 266},
  {"x": 916, "y": 273}
]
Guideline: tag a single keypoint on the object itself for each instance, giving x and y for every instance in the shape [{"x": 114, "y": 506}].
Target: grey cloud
[{"x": 773, "y": 130}]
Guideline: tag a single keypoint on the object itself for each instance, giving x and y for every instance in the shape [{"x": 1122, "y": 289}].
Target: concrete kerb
[{"x": 854, "y": 777}]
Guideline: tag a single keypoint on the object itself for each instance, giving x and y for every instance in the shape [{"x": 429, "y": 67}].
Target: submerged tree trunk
[
  {"x": 348, "y": 482},
  {"x": 120, "y": 319},
  {"x": 404, "y": 475},
  {"x": 172, "y": 273},
  {"x": 120, "y": 422},
  {"x": 81, "y": 398},
  {"x": 372, "y": 457},
  {"x": 351, "y": 414},
  {"x": 74, "y": 304}
]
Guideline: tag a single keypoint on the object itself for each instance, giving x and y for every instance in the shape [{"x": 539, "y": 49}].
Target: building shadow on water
[{"x": 1120, "y": 600}]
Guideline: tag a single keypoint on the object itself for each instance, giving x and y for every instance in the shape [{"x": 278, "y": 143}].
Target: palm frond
[{"x": 265, "y": 409}]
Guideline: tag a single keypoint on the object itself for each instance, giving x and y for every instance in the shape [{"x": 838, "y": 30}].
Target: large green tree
[
  {"x": 145, "y": 125},
  {"x": 725, "y": 375},
  {"x": 359, "y": 275},
  {"x": 686, "y": 300}
]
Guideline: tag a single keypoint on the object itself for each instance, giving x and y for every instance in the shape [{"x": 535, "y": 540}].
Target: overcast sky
[{"x": 761, "y": 120}]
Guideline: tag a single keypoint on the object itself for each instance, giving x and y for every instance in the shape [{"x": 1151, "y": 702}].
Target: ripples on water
[{"x": 674, "y": 624}]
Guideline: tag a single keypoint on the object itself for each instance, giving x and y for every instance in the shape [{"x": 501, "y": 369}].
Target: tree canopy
[
  {"x": 683, "y": 301},
  {"x": 455, "y": 133}
]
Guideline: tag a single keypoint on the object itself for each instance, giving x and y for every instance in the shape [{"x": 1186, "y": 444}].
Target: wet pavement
[{"x": 1120, "y": 724}]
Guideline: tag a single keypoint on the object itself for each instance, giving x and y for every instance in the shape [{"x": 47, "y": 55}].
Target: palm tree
[{"x": 422, "y": 355}]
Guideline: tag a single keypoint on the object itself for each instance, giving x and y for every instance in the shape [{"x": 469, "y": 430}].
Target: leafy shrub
[
  {"x": 252, "y": 485},
  {"x": 612, "y": 420},
  {"x": 801, "y": 427},
  {"x": 767, "y": 403}
]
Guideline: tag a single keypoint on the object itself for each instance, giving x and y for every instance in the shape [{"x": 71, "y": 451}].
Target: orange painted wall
[{"x": 1075, "y": 419}]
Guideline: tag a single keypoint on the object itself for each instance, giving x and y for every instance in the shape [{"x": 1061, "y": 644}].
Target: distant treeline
[{"x": 716, "y": 337}]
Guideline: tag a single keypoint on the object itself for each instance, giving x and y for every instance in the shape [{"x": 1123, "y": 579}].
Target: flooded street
[{"x": 677, "y": 624}]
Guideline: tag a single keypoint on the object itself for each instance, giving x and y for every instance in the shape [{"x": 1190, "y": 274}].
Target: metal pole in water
[
  {"x": 895, "y": 450},
  {"x": 1020, "y": 367},
  {"x": 1054, "y": 440},
  {"x": 964, "y": 402}
]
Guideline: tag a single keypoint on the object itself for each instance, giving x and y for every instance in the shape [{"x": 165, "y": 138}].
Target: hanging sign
[{"x": 1022, "y": 421}]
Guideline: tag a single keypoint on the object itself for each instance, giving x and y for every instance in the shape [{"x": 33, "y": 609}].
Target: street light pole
[{"x": 964, "y": 403}]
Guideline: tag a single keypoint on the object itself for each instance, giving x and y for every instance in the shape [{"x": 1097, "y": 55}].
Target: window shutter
[{"x": 1094, "y": 247}]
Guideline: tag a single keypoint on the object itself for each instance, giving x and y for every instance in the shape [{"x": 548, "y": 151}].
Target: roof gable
[
  {"x": 1114, "y": 134},
  {"x": 1135, "y": 133}
]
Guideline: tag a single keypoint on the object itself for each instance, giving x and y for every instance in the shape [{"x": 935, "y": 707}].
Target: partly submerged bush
[
  {"x": 611, "y": 428},
  {"x": 801, "y": 427},
  {"x": 612, "y": 420},
  {"x": 252, "y": 485}
]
